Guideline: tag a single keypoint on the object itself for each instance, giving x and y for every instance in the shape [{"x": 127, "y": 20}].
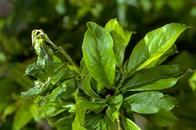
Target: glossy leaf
[
  {"x": 157, "y": 85},
  {"x": 155, "y": 78},
  {"x": 98, "y": 54},
  {"x": 129, "y": 125},
  {"x": 149, "y": 102},
  {"x": 172, "y": 51},
  {"x": 154, "y": 45},
  {"x": 120, "y": 38}
]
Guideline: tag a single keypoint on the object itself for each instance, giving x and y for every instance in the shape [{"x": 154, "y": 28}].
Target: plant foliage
[{"x": 106, "y": 90}]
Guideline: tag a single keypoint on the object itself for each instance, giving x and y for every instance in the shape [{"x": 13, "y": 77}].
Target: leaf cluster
[{"x": 105, "y": 91}]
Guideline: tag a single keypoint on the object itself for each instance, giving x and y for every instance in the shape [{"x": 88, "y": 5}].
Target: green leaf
[
  {"x": 87, "y": 87},
  {"x": 112, "y": 125},
  {"x": 38, "y": 89},
  {"x": 34, "y": 109},
  {"x": 65, "y": 91},
  {"x": 154, "y": 45},
  {"x": 82, "y": 105},
  {"x": 120, "y": 38},
  {"x": 78, "y": 123},
  {"x": 98, "y": 54},
  {"x": 114, "y": 106},
  {"x": 49, "y": 69},
  {"x": 22, "y": 116},
  {"x": 95, "y": 122},
  {"x": 64, "y": 123},
  {"x": 157, "y": 85},
  {"x": 58, "y": 101},
  {"x": 129, "y": 125},
  {"x": 149, "y": 102},
  {"x": 156, "y": 78},
  {"x": 172, "y": 51},
  {"x": 192, "y": 81},
  {"x": 86, "y": 80}
]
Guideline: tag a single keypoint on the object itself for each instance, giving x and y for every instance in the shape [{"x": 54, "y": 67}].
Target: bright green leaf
[
  {"x": 155, "y": 78},
  {"x": 98, "y": 54},
  {"x": 154, "y": 45},
  {"x": 157, "y": 85},
  {"x": 34, "y": 109},
  {"x": 129, "y": 125},
  {"x": 120, "y": 38},
  {"x": 172, "y": 51},
  {"x": 149, "y": 102},
  {"x": 78, "y": 123}
]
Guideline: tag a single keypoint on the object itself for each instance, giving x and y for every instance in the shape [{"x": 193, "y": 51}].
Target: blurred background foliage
[{"x": 65, "y": 23}]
